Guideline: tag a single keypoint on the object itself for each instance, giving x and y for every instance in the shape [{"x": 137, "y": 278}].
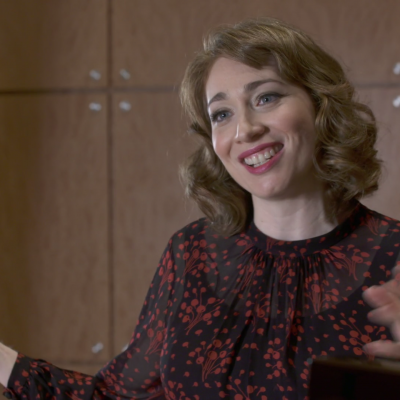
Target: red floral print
[{"x": 239, "y": 317}]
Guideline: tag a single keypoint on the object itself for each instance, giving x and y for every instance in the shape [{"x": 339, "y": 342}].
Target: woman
[{"x": 243, "y": 300}]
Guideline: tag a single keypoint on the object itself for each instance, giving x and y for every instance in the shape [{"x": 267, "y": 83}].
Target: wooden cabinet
[
  {"x": 91, "y": 136},
  {"x": 149, "y": 143},
  {"x": 54, "y": 226},
  {"x": 154, "y": 40},
  {"x": 49, "y": 45},
  {"x": 385, "y": 104}
]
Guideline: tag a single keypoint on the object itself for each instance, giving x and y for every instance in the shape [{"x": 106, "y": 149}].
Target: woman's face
[{"x": 262, "y": 129}]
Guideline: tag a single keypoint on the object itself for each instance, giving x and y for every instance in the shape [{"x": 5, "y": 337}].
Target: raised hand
[{"x": 386, "y": 302}]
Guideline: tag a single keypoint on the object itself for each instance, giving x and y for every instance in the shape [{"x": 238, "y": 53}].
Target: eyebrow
[{"x": 249, "y": 87}]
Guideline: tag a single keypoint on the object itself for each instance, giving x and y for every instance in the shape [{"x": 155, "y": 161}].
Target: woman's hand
[
  {"x": 7, "y": 361},
  {"x": 386, "y": 302}
]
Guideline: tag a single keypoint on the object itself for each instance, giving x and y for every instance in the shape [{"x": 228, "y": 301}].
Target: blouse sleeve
[{"x": 133, "y": 374}]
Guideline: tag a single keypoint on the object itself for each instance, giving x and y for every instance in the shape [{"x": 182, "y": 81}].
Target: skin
[
  {"x": 288, "y": 199},
  {"x": 386, "y": 302},
  {"x": 7, "y": 360}
]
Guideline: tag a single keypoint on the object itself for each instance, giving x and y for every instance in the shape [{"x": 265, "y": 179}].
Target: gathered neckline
[{"x": 303, "y": 247}]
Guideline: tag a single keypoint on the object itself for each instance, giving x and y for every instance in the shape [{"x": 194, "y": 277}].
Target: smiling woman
[
  {"x": 344, "y": 156},
  {"x": 259, "y": 113},
  {"x": 277, "y": 274}
]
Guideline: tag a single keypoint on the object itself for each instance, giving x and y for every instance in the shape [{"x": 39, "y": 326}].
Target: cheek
[
  {"x": 302, "y": 123},
  {"x": 307, "y": 125},
  {"x": 298, "y": 118},
  {"x": 308, "y": 131},
  {"x": 303, "y": 129},
  {"x": 220, "y": 145}
]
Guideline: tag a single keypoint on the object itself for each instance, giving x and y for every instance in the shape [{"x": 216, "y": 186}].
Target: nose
[{"x": 249, "y": 128}]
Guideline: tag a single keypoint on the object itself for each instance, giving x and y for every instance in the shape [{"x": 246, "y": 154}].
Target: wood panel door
[
  {"x": 385, "y": 103},
  {"x": 149, "y": 142},
  {"x": 54, "y": 286},
  {"x": 154, "y": 40},
  {"x": 46, "y": 44}
]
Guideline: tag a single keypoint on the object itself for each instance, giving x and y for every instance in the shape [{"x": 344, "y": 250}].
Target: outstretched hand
[{"x": 386, "y": 302}]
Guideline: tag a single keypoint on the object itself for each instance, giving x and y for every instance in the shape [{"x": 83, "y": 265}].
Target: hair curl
[{"x": 345, "y": 158}]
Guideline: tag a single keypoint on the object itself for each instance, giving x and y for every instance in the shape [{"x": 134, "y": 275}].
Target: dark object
[{"x": 347, "y": 378}]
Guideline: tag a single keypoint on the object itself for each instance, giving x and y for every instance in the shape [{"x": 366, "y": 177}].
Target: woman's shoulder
[
  {"x": 194, "y": 231},
  {"x": 201, "y": 234},
  {"x": 383, "y": 219},
  {"x": 197, "y": 227},
  {"x": 381, "y": 226}
]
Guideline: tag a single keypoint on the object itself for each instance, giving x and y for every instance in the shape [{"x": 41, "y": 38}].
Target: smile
[{"x": 262, "y": 157}]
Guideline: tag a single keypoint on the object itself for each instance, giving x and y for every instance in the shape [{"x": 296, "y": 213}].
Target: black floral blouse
[{"x": 239, "y": 317}]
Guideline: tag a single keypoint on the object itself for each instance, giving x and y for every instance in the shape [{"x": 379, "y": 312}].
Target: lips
[
  {"x": 261, "y": 158},
  {"x": 261, "y": 149}
]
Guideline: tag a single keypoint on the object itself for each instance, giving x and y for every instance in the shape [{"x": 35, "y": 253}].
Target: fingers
[
  {"x": 386, "y": 315},
  {"x": 383, "y": 348},
  {"x": 386, "y": 303},
  {"x": 385, "y": 299},
  {"x": 377, "y": 296},
  {"x": 396, "y": 272}
]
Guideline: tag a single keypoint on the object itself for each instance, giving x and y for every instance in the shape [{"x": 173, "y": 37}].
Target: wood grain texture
[
  {"x": 154, "y": 40},
  {"x": 46, "y": 44},
  {"x": 149, "y": 142},
  {"x": 53, "y": 226},
  {"x": 387, "y": 199}
]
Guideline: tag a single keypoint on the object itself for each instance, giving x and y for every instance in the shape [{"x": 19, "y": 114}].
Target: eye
[
  {"x": 268, "y": 98},
  {"x": 219, "y": 116}
]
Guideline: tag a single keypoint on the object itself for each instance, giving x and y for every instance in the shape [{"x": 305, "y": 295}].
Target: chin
[
  {"x": 269, "y": 190},
  {"x": 266, "y": 194}
]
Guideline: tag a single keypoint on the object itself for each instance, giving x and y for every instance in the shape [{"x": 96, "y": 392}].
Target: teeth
[
  {"x": 258, "y": 159},
  {"x": 262, "y": 158}
]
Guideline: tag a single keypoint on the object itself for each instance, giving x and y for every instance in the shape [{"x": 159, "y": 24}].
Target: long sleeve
[
  {"x": 133, "y": 374},
  {"x": 240, "y": 316}
]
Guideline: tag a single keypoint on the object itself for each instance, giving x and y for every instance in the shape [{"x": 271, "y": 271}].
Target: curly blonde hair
[{"x": 345, "y": 158}]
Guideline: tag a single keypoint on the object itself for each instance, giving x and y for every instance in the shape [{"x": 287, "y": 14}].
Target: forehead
[{"x": 226, "y": 75}]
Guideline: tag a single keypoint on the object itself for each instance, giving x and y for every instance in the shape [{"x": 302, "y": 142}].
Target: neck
[{"x": 293, "y": 219}]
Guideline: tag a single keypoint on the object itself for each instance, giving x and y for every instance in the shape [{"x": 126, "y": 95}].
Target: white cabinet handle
[
  {"x": 125, "y": 106},
  {"x": 396, "y": 69},
  {"x": 396, "y": 102},
  {"x": 95, "y": 75},
  {"x": 125, "y": 74},
  {"x": 95, "y": 107},
  {"x": 97, "y": 348}
]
